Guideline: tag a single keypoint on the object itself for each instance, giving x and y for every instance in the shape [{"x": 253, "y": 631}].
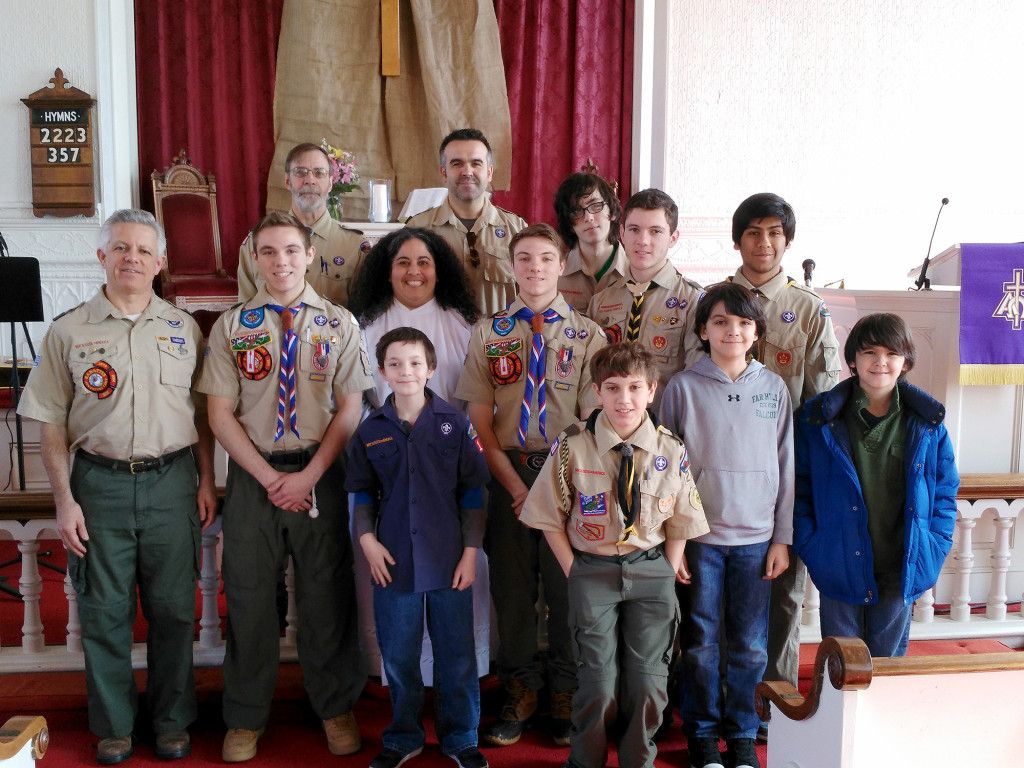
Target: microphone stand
[{"x": 922, "y": 282}]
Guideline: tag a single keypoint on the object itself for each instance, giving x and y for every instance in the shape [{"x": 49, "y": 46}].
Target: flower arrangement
[{"x": 344, "y": 176}]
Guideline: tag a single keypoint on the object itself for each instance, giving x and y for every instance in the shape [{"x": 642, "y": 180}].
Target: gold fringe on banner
[{"x": 992, "y": 375}]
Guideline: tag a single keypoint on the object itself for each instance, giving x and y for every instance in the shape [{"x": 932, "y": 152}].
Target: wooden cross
[{"x": 390, "y": 64}]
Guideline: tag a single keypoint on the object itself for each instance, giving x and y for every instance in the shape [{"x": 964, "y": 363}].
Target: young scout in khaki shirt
[
  {"x": 652, "y": 304},
  {"x": 515, "y": 435},
  {"x": 339, "y": 251},
  {"x": 286, "y": 488},
  {"x": 477, "y": 230},
  {"x": 113, "y": 385},
  {"x": 588, "y": 214},
  {"x": 616, "y": 503}
]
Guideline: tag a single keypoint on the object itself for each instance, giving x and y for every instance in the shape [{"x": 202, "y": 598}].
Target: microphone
[
  {"x": 808, "y": 266},
  {"x": 922, "y": 282}
]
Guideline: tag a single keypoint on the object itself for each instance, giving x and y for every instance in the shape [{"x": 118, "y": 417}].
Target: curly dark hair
[
  {"x": 568, "y": 197},
  {"x": 372, "y": 294}
]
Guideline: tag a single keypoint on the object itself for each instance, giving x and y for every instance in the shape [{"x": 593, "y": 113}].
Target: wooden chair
[{"x": 193, "y": 277}]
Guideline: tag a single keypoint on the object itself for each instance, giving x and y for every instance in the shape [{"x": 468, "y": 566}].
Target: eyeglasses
[
  {"x": 474, "y": 257},
  {"x": 300, "y": 172},
  {"x": 579, "y": 213}
]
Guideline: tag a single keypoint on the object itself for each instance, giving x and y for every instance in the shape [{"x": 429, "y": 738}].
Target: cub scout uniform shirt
[
  {"x": 576, "y": 490},
  {"x": 491, "y": 281},
  {"x": 498, "y": 362},
  {"x": 666, "y": 320},
  {"x": 244, "y": 362},
  {"x": 800, "y": 344},
  {"x": 339, "y": 255},
  {"x": 578, "y": 288},
  {"x": 122, "y": 389}
]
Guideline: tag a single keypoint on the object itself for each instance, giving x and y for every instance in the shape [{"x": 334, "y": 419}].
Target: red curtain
[
  {"x": 206, "y": 83},
  {"x": 569, "y": 71},
  {"x": 205, "y": 72}
]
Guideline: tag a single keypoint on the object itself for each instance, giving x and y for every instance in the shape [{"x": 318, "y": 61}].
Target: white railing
[{"x": 985, "y": 567}]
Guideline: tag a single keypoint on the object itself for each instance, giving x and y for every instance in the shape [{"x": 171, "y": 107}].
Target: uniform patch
[
  {"x": 614, "y": 333},
  {"x": 570, "y": 333},
  {"x": 321, "y": 355},
  {"x": 671, "y": 302},
  {"x": 783, "y": 358},
  {"x": 659, "y": 342},
  {"x": 475, "y": 438},
  {"x": 684, "y": 463},
  {"x": 660, "y": 463},
  {"x": 590, "y": 531},
  {"x": 683, "y": 303},
  {"x": 666, "y": 504},
  {"x": 695, "y": 499},
  {"x": 535, "y": 462},
  {"x": 564, "y": 365},
  {"x": 250, "y": 318},
  {"x": 582, "y": 334},
  {"x": 254, "y": 364},
  {"x": 506, "y": 368},
  {"x": 702, "y": 295},
  {"x": 338, "y": 261},
  {"x": 318, "y": 377},
  {"x": 366, "y": 246},
  {"x": 499, "y": 232},
  {"x": 176, "y": 321},
  {"x": 320, "y": 320},
  {"x": 663, "y": 359},
  {"x": 823, "y": 310},
  {"x": 562, "y": 385},
  {"x": 250, "y": 341},
  {"x": 788, "y": 316},
  {"x": 673, "y": 320},
  {"x": 554, "y": 448},
  {"x": 593, "y": 505},
  {"x": 446, "y": 428},
  {"x": 503, "y": 325},
  {"x": 100, "y": 379},
  {"x": 335, "y": 322}
]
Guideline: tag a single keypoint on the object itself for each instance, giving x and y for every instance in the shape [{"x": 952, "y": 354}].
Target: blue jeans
[
  {"x": 884, "y": 626},
  {"x": 726, "y": 585},
  {"x": 399, "y": 619}
]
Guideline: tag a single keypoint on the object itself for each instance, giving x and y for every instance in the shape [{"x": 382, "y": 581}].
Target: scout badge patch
[
  {"x": 100, "y": 379},
  {"x": 506, "y": 366},
  {"x": 254, "y": 364}
]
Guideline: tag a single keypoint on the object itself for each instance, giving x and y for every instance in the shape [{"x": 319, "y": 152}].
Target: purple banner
[{"x": 992, "y": 304}]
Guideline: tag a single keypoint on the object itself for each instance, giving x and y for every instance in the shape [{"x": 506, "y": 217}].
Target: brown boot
[
  {"x": 561, "y": 716},
  {"x": 520, "y": 706},
  {"x": 343, "y": 734}
]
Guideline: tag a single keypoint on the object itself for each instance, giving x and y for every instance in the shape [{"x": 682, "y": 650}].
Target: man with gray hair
[{"x": 113, "y": 387}]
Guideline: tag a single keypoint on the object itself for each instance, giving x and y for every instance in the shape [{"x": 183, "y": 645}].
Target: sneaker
[
  {"x": 470, "y": 757},
  {"x": 561, "y": 717},
  {"x": 762, "y": 733},
  {"x": 240, "y": 745},
  {"x": 743, "y": 753},
  {"x": 392, "y": 758},
  {"x": 114, "y": 750},
  {"x": 342, "y": 734},
  {"x": 520, "y": 706},
  {"x": 171, "y": 746},
  {"x": 703, "y": 751}
]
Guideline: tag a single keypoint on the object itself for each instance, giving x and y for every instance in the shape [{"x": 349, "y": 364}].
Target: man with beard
[
  {"x": 476, "y": 229},
  {"x": 339, "y": 251}
]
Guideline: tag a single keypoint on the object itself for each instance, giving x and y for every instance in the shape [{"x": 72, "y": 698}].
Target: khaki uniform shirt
[
  {"x": 578, "y": 288},
  {"x": 800, "y": 345},
  {"x": 491, "y": 282},
  {"x": 244, "y": 362},
  {"x": 583, "y": 501},
  {"x": 339, "y": 255},
  {"x": 666, "y": 320},
  {"x": 498, "y": 361},
  {"x": 122, "y": 389}
]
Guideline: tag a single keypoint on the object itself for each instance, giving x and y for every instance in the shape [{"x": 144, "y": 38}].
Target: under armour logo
[{"x": 734, "y": 397}]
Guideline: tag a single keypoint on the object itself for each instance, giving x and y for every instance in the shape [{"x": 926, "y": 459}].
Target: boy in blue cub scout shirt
[
  {"x": 616, "y": 503},
  {"x": 736, "y": 419},
  {"x": 417, "y": 470}
]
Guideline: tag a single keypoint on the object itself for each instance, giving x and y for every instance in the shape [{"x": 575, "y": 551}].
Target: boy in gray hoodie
[{"x": 736, "y": 419}]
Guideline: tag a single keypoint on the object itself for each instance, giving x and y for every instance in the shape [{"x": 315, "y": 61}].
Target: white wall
[{"x": 863, "y": 115}]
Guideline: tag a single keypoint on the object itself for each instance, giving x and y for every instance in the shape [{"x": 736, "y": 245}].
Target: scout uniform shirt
[
  {"x": 578, "y": 288},
  {"x": 666, "y": 323},
  {"x": 498, "y": 361},
  {"x": 800, "y": 344},
  {"x": 576, "y": 490},
  {"x": 489, "y": 269},
  {"x": 122, "y": 389},
  {"x": 244, "y": 362},
  {"x": 339, "y": 255}
]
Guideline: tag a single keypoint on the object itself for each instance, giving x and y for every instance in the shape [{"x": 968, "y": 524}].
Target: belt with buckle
[
  {"x": 532, "y": 460},
  {"x": 288, "y": 458},
  {"x": 137, "y": 467}
]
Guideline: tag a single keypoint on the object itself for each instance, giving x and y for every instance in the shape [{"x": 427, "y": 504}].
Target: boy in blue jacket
[
  {"x": 417, "y": 470},
  {"x": 876, "y": 485}
]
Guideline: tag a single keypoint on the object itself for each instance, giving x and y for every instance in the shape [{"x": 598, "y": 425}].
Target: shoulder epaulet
[
  {"x": 248, "y": 237},
  {"x": 347, "y": 228},
  {"x": 663, "y": 430},
  {"x": 58, "y": 317},
  {"x": 803, "y": 288},
  {"x": 235, "y": 306},
  {"x": 510, "y": 213},
  {"x": 573, "y": 429},
  {"x": 693, "y": 284},
  {"x": 428, "y": 210}
]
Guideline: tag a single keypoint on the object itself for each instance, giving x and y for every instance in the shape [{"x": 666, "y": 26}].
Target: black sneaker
[
  {"x": 743, "y": 754},
  {"x": 703, "y": 751},
  {"x": 470, "y": 758},
  {"x": 392, "y": 758}
]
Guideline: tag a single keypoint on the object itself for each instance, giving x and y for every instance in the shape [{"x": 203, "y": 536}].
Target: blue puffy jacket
[{"x": 830, "y": 522}]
